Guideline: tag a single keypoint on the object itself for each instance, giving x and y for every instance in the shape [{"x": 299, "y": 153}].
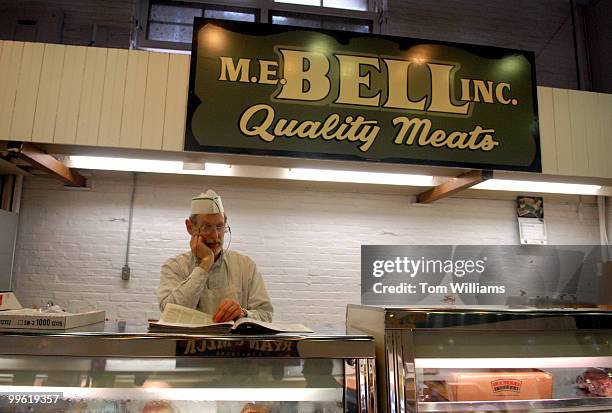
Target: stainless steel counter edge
[
  {"x": 489, "y": 318},
  {"x": 165, "y": 345}
]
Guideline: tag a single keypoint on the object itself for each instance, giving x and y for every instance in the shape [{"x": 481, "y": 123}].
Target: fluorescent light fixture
[
  {"x": 538, "y": 187},
  {"x": 323, "y": 175},
  {"x": 217, "y": 168},
  {"x": 528, "y": 362},
  {"x": 146, "y": 165},
  {"x": 132, "y": 365},
  {"x": 330, "y": 175},
  {"x": 125, "y": 164}
]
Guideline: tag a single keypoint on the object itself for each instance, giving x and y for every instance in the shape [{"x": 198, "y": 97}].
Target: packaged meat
[
  {"x": 493, "y": 385},
  {"x": 596, "y": 382}
]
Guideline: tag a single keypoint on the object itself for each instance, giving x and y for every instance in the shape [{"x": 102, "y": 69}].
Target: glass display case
[
  {"x": 143, "y": 372},
  {"x": 489, "y": 360}
]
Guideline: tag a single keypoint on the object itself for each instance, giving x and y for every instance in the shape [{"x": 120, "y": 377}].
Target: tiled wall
[{"x": 71, "y": 243}]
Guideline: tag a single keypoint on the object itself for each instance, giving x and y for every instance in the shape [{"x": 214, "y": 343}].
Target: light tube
[
  {"x": 187, "y": 394},
  {"x": 523, "y": 362},
  {"x": 217, "y": 168},
  {"x": 145, "y": 165},
  {"x": 125, "y": 164},
  {"x": 323, "y": 175},
  {"x": 330, "y": 175},
  {"x": 538, "y": 187}
]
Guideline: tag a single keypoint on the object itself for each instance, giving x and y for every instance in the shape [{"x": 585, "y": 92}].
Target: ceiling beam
[
  {"x": 453, "y": 185},
  {"x": 42, "y": 160}
]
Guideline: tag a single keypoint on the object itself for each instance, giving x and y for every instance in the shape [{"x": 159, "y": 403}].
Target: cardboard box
[
  {"x": 497, "y": 385},
  {"x": 28, "y": 319}
]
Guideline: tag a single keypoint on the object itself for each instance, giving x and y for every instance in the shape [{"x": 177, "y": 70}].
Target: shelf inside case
[
  {"x": 535, "y": 384},
  {"x": 187, "y": 394},
  {"x": 600, "y": 405},
  {"x": 513, "y": 363}
]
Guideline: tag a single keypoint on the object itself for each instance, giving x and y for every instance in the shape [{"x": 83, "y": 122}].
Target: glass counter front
[
  {"x": 434, "y": 360},
  {"x": 84, "y": 372}
]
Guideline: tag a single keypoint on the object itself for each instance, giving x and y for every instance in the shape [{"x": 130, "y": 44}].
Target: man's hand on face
[
  {"x": 200, "y": 250},
  {"x": 227, "y": 310}
]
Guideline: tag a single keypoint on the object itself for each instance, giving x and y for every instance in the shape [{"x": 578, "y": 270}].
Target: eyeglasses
[{"x": 206, "y": 229}]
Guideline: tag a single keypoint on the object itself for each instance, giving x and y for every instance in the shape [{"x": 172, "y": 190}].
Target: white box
[{"x": 28, "y": 319}]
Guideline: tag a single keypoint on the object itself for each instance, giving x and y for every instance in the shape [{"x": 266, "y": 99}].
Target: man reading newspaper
[{"x": 223, "y": 283}]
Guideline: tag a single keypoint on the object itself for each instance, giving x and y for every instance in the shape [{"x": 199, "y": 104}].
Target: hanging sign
[{"x": 275, "y": 90}]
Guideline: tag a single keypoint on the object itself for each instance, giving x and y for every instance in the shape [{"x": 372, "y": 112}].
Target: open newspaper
[{"x": 176, "y": 318}]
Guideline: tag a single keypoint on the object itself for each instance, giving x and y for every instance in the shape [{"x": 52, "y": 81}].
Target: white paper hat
[{"x": 207, "y": 203}]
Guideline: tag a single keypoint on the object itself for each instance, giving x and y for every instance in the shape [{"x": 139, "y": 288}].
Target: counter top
[{"x": 110, "y": 339}]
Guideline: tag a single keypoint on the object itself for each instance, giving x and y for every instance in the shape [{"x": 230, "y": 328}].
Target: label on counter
[{"x": 219, "y": 347}]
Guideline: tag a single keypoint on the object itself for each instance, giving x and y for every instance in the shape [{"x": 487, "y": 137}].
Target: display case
[
  {"x": 489, "y": 360},
  {"x": 143, "y": 372}
]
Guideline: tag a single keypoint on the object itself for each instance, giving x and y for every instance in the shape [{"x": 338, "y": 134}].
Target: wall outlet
[{"x": 125, "y": 273}]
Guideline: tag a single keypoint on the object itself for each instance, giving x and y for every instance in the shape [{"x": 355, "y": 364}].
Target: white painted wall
[
  {"x": 71, "y": 244},
  {"x": 609, "y": 216}
]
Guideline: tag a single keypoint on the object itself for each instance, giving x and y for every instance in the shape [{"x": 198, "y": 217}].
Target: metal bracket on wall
[
  {"x": 45, "y": 162},
  {"x": 454, "y": 185}
]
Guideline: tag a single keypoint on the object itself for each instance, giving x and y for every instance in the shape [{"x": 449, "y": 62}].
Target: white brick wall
[
  {"x": 71, "y": 244},
  {"x": 609, "y": 221}
]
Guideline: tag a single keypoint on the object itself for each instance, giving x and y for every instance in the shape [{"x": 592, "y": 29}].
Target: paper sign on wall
[{"x": 530, "y": 212}]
